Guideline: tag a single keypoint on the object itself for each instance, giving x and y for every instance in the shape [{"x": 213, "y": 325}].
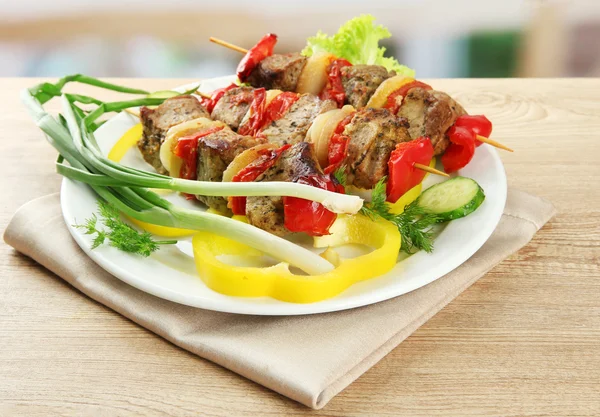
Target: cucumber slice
[{"x": 452, "y": 199}]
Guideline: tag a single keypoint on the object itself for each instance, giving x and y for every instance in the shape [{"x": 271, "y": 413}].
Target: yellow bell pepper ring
[
  {"x": 126, "y": 142},
  {"x": 280, "y": 283}
]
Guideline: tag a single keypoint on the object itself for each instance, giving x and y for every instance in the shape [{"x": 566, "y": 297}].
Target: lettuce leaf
[{"x": 357, "y": 40}]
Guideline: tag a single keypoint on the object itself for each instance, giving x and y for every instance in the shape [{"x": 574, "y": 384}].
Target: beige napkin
[{"x": 307, "y": 358}]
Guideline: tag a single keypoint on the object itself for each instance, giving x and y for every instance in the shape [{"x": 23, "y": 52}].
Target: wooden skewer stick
[
  {"x": 228, "y": 45},
  {"x": 132, "y": 112},
  {"x": 427, "y": 168},
  {"x": 201, "y": 94},
  {"x": 493, "y": 143}
]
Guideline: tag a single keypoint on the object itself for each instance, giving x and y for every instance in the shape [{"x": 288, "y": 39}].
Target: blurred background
[{"x": 150, "y": 38}]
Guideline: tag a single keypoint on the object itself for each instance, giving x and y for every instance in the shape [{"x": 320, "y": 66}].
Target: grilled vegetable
[
  {"x": 244, "y": 159},
  {"x": 461, "y": 149},
  {"x": 479, "y": 124},
  {"x": 255, "y": 55},
  {"x": 322, "y": 129},
  {"x": 313, "y": 77},
  {"x": 334, "y": 88},
  {"x": 385, "y": 89},
  {"x": 403, "y": 176},
  {"x": 169, "y": 159},
  {"x": 394, "y": 100}
]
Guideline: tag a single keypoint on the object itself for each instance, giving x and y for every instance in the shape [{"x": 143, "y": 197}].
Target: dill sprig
[
  {"x": 120, "y": 235},
  {"x": 414, "y": 224}
]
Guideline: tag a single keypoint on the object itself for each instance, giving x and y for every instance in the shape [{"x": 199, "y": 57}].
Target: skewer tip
[
  {"x": 228, "y": 45},
  {"x": 429, "y": 169},
  {"x": 493, "y": 143},
  {"x": 132, "y": 112}
]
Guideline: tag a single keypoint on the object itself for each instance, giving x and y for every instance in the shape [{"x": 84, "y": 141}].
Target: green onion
[
  {"x": 46, "y": 91},
  {"x": 126, "y": 188}
]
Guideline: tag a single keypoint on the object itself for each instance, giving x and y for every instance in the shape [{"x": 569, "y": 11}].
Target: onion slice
[
  {"x": 380, "y": 96},
  {"x": 322, "y": 129},
  {"x": 243, "y": 160},
  {"x": 172, "y": 162},
  {"x": 313, "y": 76},
  {"x": 271, "y": 94}
]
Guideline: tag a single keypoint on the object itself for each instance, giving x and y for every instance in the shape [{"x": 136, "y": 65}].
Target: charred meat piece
[
  {"x": 278, "y": 71},
  {"x": 215, "y": 152},
  {"x": 373, "y": 133},
  {"x": 295, "y": 162},
  {"x": 157, "y": 121},
  {"x": 430, "y": 113},
  {"x": 361, "y": 81},
  {"x": 233, "y": 106},
  {"x": 292, "y": 127}
]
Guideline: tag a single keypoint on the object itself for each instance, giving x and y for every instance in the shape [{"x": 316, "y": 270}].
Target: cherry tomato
[
  {"x": 257, "y": 53},
  {"x": 479, "y": 124},
  {"x": 309, "y": 216},
  {"x": 187, "y": 149},
  {"x": 334, "y": 90},
  {"x": 393, "y": 104},
  {"x": 267, "y": 159},
  {"x": 402, "y": 174},
  {"x": 211, "y": 102},
  {"x": 461, "y": 149}
]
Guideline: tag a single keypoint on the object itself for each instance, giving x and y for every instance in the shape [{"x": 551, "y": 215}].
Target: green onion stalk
[{"x": 127, "y": 189}]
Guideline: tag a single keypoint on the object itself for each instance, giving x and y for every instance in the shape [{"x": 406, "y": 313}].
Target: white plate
[{"x": 171, "y": 274}]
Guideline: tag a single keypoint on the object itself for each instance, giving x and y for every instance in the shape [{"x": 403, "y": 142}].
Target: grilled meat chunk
[
  {"x": 278, "y": 71},
  {"x": 157, "y": 121},
  {"x": 430, "y": 113},
  {"x": 373, "y": 133},
  {"x": 215, "y": 152},
  {"x": 361, "y": 81},
  {"x": 233, "y": 106},
  {"x": 292, "y": 127},
  {"x": 295, "y": 162}
]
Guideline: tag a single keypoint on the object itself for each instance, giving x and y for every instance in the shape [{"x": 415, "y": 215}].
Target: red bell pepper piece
[
  {"x": 268, "y": 157},
  {"x": 257, "y": 109},
  {"x": 187, "y": 149},
  {"x": 479, "y": 124},
  {"x": 393, "y": 105},
  {"x": 257, "y": 53},
  {"x": 461, "y": 149},
  {"x": 211, "y": 102},
  {"x": 263, "y": 114},
  {"x": 307, "y": 216},
  {"x": 334, "y": 90},
  {"x": 402, "y": 175},
  {"x": 338, "y": 145},
  {"x": 278, "y": 107}
]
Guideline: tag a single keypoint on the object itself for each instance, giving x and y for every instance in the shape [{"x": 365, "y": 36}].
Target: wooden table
[{"x": 524, "y": 340}]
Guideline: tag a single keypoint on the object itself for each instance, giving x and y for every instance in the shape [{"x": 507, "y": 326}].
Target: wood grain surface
[{"x": 524, "y": 340}]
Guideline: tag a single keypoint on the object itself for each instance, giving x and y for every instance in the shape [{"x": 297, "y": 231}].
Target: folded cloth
[{"x": 307, "y": 358}]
